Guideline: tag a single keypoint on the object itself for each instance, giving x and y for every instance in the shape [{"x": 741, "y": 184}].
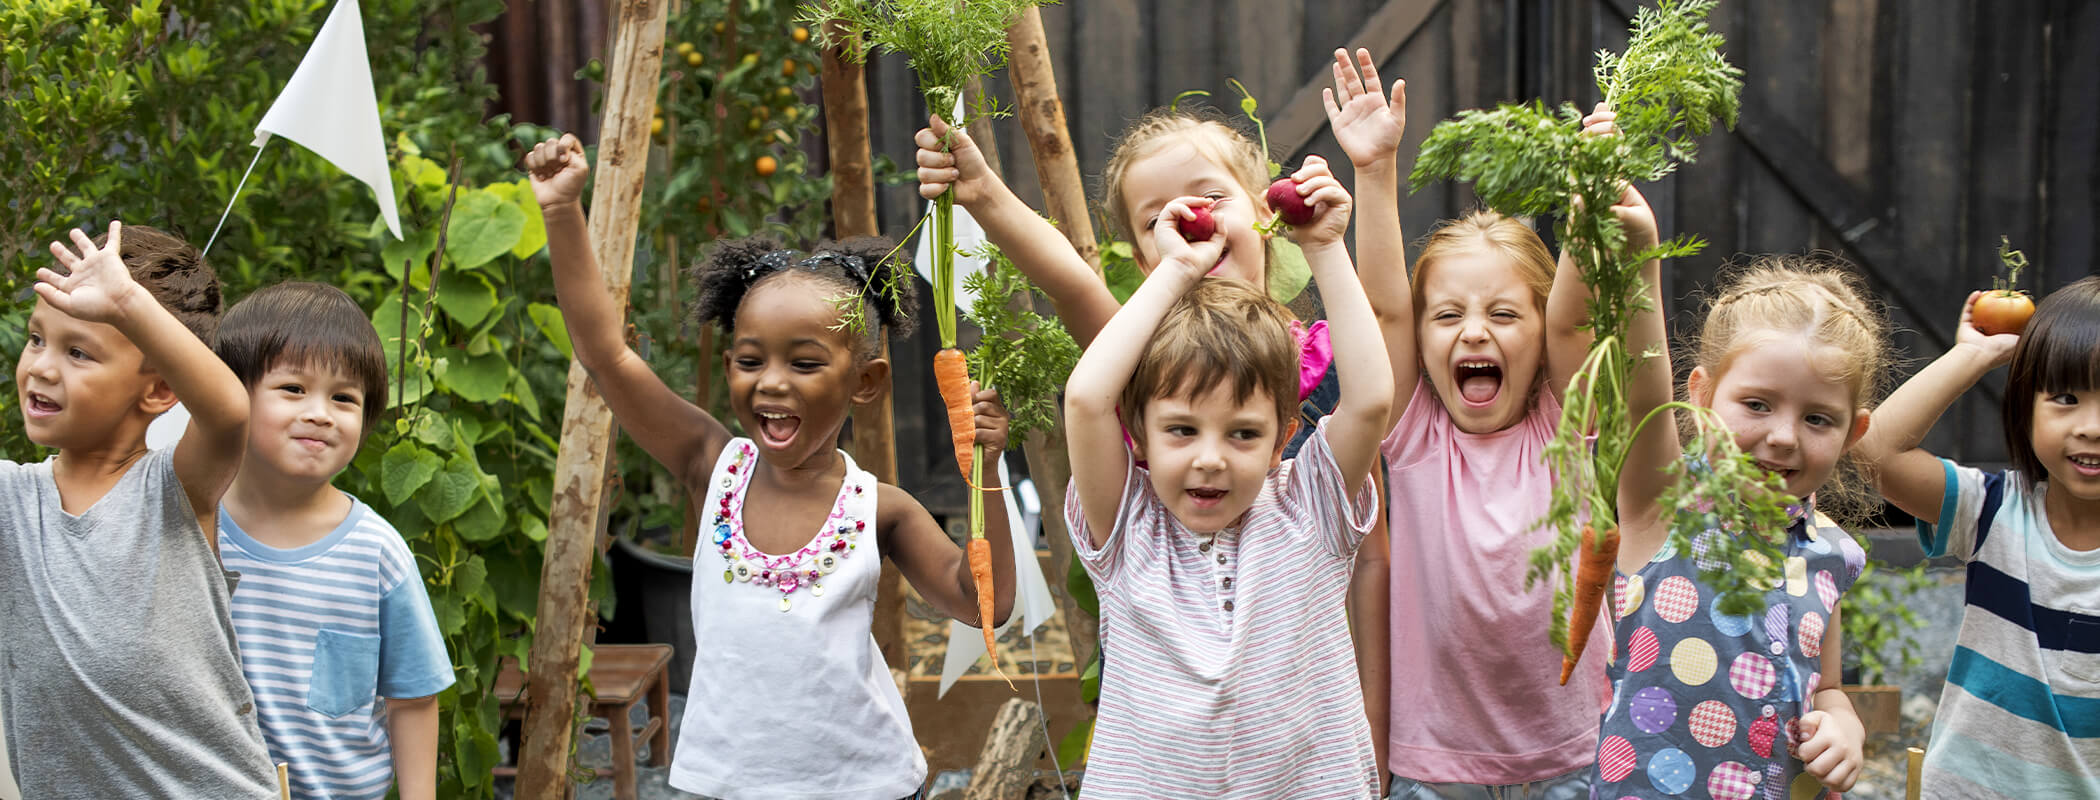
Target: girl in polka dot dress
[{"x": 1707, "y": 704}]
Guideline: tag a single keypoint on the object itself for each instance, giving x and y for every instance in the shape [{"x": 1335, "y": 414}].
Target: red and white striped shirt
[{"x": 1229, "y": 671}]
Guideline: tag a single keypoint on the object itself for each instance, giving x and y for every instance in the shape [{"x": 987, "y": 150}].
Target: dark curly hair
[{"x": 858, "y": 267}]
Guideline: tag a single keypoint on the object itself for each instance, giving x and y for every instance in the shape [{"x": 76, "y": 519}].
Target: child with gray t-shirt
[{"x": 121, "y": 677}]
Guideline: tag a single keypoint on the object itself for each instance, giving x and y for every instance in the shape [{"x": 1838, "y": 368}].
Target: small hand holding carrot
[
  {"x": 558, "y": 170},
  {"x": 947, "y": 157},
  {"x": 96, "y": 286},
  {"x": 1367, "y": 126},
  {"x": 1330, "y": 205},
  {"x": 1832, "y": 747},
  {"x": 1997, "y": 347}
]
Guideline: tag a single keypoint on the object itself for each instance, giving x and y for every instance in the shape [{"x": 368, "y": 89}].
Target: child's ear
[
  {"x": 1697, "y": 388},
  {"x": 871, "y": 378},
  {"x": 1290, "y": 431},
  {"x": 1860, "y": 422},
  {"x": 159, "y": 396}
]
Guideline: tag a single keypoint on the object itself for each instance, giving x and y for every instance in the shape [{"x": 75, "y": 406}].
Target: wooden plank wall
[{"x": 1903, "y": 135}]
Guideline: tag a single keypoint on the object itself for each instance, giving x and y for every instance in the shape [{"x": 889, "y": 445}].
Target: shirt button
[
  {"x": 1778, "y": 648},
  {"x": 1228, "y": 605},
  {"x": 1228, "y": 583},
  {"x": 1205, "y": 547},
  {"x": 1221, "y": 558}
]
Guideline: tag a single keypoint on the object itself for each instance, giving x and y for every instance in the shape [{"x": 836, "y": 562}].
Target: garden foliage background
[{"x": 145, "y": 112}]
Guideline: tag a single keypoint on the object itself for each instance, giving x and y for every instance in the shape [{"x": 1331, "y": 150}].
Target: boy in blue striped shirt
[
  {"x": 337, "y": 636},
  {"x": 2020, "y": 715}
]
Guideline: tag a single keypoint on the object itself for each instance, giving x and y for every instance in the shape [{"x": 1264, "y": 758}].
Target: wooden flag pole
[
  {"x": 1042, "y": 118},
  {"x": 853, "y": 214},
  {"x": 587, "y": 433}
]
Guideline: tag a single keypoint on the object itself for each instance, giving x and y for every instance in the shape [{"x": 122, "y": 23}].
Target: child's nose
[{"x": 1781, "y": 436}]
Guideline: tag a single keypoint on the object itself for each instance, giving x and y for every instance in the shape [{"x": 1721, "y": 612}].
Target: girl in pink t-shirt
[{"x": 1482, "y": 342}]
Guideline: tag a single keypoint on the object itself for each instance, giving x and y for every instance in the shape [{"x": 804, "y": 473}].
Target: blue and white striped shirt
[
  {"x": 326, "y": 630},
  {"x": 2020, "y": 716}
]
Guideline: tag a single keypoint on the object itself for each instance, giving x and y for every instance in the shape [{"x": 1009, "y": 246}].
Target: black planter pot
[{"x": 654, "y": 604}]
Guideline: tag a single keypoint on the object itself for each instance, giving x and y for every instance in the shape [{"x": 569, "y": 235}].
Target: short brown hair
[
  {"x": 2058, "y": 352},
  {"x": 1224, "y": 332},
  {"x": 307, "y": 324},
  {"x": 175, "y": 273}
]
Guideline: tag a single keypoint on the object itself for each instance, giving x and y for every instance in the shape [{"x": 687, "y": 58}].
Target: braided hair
[{"x": 860, "y": 267}]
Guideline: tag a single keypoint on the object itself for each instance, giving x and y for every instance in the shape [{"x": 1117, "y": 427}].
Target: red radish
[
  {"x": 1200, "y": 225},
  {"x": 1284, "y": 198}
]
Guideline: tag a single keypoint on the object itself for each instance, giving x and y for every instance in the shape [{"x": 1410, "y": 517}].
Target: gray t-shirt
[{"x": 120, "y": 678}]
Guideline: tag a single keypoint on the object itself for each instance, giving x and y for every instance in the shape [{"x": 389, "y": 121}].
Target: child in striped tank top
[
  {"x": 337, "y": 637},
  {"x": 1222, "y": 567}
]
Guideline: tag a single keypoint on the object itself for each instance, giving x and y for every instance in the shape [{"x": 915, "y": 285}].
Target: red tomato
[{"x": 1999, "y": 312}]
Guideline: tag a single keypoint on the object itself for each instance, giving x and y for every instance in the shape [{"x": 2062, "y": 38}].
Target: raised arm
[
  {"x": 1645, "y": 474},
  {"x": 1567, "y": 303},
  {"x": 98, "y": 287},
  {"x": 1082, "y": 301},
  {"x": 1100, "y": 462},
  {"x": 1361, "y": 416},
  {"x": 1369, "y": 128},
  {"x": 678, "y": 434},
  {"x": 1903, "y": 472}
]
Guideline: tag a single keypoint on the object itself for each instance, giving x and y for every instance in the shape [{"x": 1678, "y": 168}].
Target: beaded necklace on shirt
[{"x": 788, "y": 573}]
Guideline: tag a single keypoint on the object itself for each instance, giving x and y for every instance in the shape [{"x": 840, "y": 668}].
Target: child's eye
[
  {"x": 1446, "y": 315},
  {"x": 1756, "y": 405},
  {"x": 77, "y": 353},
  {"x": 1246, "y": 434},
  {"x": 1505, "y": 315},
  {"x": 1181, "y": 430},
  {"x": 292, "y": 388},
  {"x": 747, "y": 362},
  {"x": 1820, "y": 421},
  {"x": 1215, "y": 194},
  {"x": 36, "y": 340},
  {"x": 350, "y": 399},
  {"x": 809, "y": 366},
  {"x": 2064, "y": 399}
]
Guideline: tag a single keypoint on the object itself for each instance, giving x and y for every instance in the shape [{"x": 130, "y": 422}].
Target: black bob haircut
[
  {"x": 2058, "y": 352},
  {"x": 307, "y": 324}
]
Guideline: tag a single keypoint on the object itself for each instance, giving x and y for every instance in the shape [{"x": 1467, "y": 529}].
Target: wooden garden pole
[
  {"x": 587, "y": 430},
  {"x": 853, "y": 214},
  {"x": 1042, "y": 118}
]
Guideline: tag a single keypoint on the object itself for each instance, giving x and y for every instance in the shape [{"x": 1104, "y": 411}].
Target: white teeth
[
  {"x": 1476, "y": 364},
  {"x": 2085, "y": 461},
  {"x": 774, "y": 414}
]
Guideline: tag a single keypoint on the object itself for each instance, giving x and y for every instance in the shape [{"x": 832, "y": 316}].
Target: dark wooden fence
[{"x": 1906, "y": 136}]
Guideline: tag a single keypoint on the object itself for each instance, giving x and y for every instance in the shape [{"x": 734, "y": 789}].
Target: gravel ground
[{"x": 1939, "y": 607}]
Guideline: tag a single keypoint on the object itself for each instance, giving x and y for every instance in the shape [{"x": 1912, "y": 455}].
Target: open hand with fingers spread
[
  {"x": 558, "y": 169},
  {"x": 96, "y": 286},
  {"x": 1365, "y": 123}
]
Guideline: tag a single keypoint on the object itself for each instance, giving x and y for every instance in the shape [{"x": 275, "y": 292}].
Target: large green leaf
[
  {"x": 481, "y": 523},
  {"x": 451, "y": 491},
  {"x": 387, "y": 321},
  {"x": 549, "y": 320},
  {"x": 484, "y": 225},
  {"x": 470, "y": 576},
  {"x": 1072, "y": 751},
  {"x": 1288, "y": 272},
  {"x": 478, "y": 379},
  {"x": 466, "y": 297},
  {"x": 405, "y": 469},
  {"x": 412, "y": 251},
  {"x": 534, "y": 236}
]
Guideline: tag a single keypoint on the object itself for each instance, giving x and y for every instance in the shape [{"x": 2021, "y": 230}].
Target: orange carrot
[
  {"x": 1592, "y": 573},
  {"x": 980, "y": 551},
  {"x": 952, "y": 375}
]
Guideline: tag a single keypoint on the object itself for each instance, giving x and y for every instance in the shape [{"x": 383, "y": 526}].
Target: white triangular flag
[
  {"x": 328, "y": 106},
  {"x": 1033, "y": 605},
  {"x": 969, "y": 237}
]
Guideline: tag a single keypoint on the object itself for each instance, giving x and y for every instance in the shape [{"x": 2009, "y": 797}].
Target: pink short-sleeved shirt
[
  {"x": 1233, "y": 675},
  {"x": 1476, "y": 684}
]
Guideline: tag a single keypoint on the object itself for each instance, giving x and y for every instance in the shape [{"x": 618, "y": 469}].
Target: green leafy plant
[
  {"x": 1030, "y": 356},
  {"x": 1879, "y": 625},
  {"x": 1668, "y": 87}
]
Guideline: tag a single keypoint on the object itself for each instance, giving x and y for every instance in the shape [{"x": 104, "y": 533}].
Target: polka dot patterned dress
[{"x": 1706, "y": 704}]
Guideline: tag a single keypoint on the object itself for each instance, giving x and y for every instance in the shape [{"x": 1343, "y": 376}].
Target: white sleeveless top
[{"x": 790, "y": 697}]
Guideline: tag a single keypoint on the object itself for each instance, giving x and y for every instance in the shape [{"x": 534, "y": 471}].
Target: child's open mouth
[
  {"x": 2087, "y": 465},
  {"x": 41, "y": 406},
  {"x": 1220, "y": 266},
  {"x": 1479, "y": 381},
  {"x": 777, "y": 427},
  {"x": 1785, "y": 474},
  {"x": 1207, "y": 497}
]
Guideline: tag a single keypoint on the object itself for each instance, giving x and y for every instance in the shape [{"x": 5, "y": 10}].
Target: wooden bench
[{"x": 623, "y": 675}]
